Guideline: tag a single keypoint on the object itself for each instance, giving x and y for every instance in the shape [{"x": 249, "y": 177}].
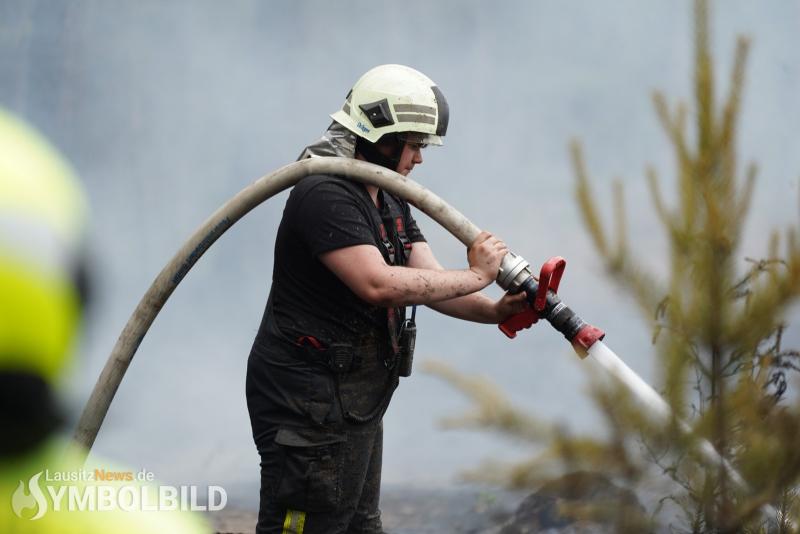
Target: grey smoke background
[{"x": 167, "y": 109}]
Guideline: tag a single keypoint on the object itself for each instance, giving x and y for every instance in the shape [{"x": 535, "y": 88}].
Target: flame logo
[{"x": 22, "y": 500}]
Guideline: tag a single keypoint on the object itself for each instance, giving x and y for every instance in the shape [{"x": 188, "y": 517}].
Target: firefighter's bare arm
[
  {"x": 475, "y": 307},
  {"x": 363, "y": 269}
]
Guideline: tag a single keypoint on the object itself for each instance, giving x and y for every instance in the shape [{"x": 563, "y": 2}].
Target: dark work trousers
[{"x": 320, "y": 469}]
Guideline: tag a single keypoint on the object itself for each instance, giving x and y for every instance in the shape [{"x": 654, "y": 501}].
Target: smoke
[{"x": 168, "y": 109}]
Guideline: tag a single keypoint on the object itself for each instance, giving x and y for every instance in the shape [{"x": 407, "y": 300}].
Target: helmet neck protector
[{"x": 372, "y": 153}]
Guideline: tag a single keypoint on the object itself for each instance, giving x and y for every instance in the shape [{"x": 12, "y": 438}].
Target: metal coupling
[{"x": 514, "y": 271}]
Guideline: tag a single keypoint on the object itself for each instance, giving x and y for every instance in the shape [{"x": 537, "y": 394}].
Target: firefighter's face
[{"x": 411, "y": 155}]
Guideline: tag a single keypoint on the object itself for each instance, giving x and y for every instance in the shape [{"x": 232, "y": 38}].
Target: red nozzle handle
[
  {"x": 549, "y": 278},
  {"x": 517, "y": 322}
]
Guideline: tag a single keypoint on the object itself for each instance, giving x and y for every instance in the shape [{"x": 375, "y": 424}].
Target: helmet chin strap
[{"x": 372, "y": 153}]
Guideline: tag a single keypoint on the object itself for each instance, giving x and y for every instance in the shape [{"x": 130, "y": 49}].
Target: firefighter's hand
[
  {"x": 484, "y": 256},
  {"x": 509, "y": 305}
]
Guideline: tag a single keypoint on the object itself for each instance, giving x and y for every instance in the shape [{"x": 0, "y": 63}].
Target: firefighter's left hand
[{"x": 509, "y": 305}]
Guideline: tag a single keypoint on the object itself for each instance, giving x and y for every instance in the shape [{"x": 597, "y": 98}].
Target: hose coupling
[{"x": 514, "y": 271}]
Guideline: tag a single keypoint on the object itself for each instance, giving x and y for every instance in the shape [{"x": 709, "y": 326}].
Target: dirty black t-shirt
[{"x": 323, "y": 214}]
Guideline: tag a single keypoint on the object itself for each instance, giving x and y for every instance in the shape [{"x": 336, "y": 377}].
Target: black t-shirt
[{"x": 325, "y": 213}]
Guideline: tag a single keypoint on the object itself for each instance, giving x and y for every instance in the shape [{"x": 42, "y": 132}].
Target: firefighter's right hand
[{"x": 485, "y": 255}]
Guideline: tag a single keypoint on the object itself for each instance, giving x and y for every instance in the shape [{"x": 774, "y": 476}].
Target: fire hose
[{"x": 515, "y": 275}]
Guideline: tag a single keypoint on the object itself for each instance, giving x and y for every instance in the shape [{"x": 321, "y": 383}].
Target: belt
[{"x": 338, "y": 357}]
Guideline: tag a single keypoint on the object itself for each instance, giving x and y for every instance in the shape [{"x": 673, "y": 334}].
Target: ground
[{"x": 415, "y": 511}]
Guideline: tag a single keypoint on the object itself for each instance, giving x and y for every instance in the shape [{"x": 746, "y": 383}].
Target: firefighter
[
  {"x": 43, "y": 289},
  {"x": 334, "y": 337}
]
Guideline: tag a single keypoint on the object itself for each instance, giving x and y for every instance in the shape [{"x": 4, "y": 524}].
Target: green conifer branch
[
  {"x": 704, "y": 78},
  {"x": 585, "y": 198}
]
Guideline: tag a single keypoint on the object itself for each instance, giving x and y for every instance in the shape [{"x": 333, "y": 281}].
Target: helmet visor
[{"x": 420, "y": 138}]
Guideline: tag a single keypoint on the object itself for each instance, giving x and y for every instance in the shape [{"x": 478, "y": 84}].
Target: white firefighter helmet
[{"x": 395, "y": 99}]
